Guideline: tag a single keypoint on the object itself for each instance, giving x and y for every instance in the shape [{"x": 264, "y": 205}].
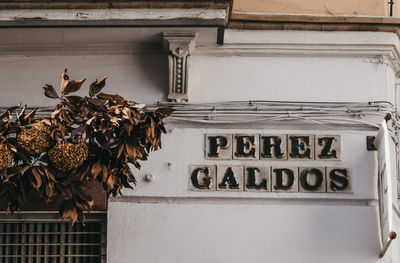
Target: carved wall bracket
[{"x": 179, "y": 46}]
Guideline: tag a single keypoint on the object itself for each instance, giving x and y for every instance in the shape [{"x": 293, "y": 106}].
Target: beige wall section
[
  {"x": 324, "y": 7},
  {"x": 396, "y": 8}
]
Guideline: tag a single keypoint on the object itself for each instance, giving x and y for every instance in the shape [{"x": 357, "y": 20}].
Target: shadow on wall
[{"x": 155, "y": 72}]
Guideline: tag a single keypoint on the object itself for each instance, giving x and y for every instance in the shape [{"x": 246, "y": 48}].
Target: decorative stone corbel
[{"x": 179, "y": 46}]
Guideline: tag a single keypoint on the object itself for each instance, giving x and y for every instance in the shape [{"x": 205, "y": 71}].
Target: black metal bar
[{"x": 391, "y": 3}]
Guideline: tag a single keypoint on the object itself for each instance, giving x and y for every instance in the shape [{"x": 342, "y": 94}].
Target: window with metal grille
[{"x": 43, "y": 238}]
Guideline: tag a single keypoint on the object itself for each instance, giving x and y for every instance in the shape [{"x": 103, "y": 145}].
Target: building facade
[{"x": 266, "y": 157}]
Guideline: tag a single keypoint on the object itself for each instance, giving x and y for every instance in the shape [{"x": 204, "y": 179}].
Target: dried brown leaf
[
  {"x": 131, "y": 150},
  {"x": 139, "y": 106},
  {"x": 64, "y": 80},
  {"x": 55, "y": 113},
  {"x": 96, "y": 101},
  {"x": 49, "y": 174},
  {"x": 72, "y": 86},
  {"x": 89, "y": 121},
  {"x": 105, "y": 172},
  {"x": 105, "y": 96},
  {"x": 164, "y": 112},
  {"x": 4, "y": 114},
  {"x": 49, "y": 190},
  {"x": 83, "y": 172},
  {"x": 124, "y": 181},
  {"x": 62, "y": 129},
  {"x": 126, "y": 170},
  {"x": 37, "y": 182},
  {"x": 126, "y": 113},
  {"x": 50, "y": 92},
  {"x": 81, "y": 218},
  {"x": 78, "y": 131},
  {"x": 21, "y": 115},
  {"x": 120, "y": 150},
  {"x": 30, "y": 117},
  {"x": 96, "y": 169},
  {"x": 75, "y": 100},
  {"x": 13, "y": 108},
  {"x": 110, "y": 182},
  {"x": 68, "y": 86},
  {"x": 69, "y": 212},
  {"x": 97, "y": 86}
]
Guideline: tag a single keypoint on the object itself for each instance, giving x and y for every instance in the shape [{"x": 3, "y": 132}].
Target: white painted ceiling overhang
[{"x": 137, "y": 27}]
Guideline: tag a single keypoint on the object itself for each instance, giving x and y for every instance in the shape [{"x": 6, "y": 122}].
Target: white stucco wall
[
  {"x": 283, "y": 78},
  {"x": 240, "y": 226},
  {"x": 161, "y": 221}
]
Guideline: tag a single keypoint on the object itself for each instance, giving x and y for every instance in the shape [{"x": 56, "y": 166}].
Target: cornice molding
[
  {"x": 96, "y": 4},
  {"x": 380, "y": 54},
  {"x": 141, "y": 17},
  {"x": 376, "y": 47},
  {"x": 334, "y": 50}
]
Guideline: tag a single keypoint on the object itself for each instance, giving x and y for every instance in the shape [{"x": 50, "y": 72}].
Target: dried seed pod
[
  {"x": 35, "y": 140},
  {"x": 41, "y": 126},
  {"x": 6, "y": 156},
  {"x": 66, "y": 156}
]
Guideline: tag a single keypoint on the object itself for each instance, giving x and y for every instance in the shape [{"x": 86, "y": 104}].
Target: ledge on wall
[
  {"x": 93, "y": 4},
  {"x": 310, "y": 22},
  {"x": 36, "y": 203}
]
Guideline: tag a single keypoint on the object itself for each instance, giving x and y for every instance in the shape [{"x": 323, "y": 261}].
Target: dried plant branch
[{"x": 84, "y": 139}]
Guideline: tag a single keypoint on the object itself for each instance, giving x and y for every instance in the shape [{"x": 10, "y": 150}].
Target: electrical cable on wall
[
  {"x": 361, "y": 114},
  {"x": 353, "y": 114}
]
